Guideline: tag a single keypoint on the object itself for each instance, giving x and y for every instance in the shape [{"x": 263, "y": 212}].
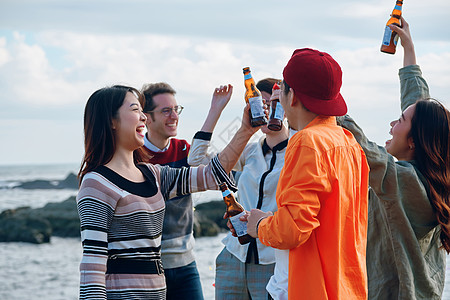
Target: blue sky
[{"x": 55, "y": 54}]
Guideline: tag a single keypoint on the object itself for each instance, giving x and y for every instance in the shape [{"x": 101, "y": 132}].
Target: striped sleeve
[
  {"x": 181, "y": 181},
  {"x": 95, "y": 203}
]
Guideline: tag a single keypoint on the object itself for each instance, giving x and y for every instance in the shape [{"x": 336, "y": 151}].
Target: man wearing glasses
[{"x": 162, "y": 111}]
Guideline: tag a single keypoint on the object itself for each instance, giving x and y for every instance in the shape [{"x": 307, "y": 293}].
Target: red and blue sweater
[{"x": 177, "y": 237}]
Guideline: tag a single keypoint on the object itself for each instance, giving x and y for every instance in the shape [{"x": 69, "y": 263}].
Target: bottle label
[
  {"x": 239, "y": 226},
  {"x": 256, "y": 107},
  {"x": 387, "y": 36},
  {"x": 247, "y": 76},
  {"x": 226, "y": 193},
  {"x": 279, "y": 112}
]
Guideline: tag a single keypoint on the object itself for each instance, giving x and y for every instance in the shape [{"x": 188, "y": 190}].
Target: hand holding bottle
[
  {"x": 390, "y": 37},
  {"x": 276, "y": 91},
  {"x": 246, "y": 125},
  {"x": 406, "y": 42},
  {"x": 253, "y": 220},
  {"x": 242, "y": 218},
  {"x": 277, "y": 111},
  {"x": 254, "y": 98},
  {"x": 234, "y": 210}
]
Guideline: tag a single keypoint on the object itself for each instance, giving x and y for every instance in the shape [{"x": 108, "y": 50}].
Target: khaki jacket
[{"x": 403, "y": 256}]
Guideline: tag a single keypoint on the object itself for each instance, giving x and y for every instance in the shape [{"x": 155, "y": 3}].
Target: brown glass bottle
[
  {"x": 276, "y": 113},
  {"x": 254, "y": 97},
  {"x": 390, "y": 38},
  {"x": 234, "y": 210}
]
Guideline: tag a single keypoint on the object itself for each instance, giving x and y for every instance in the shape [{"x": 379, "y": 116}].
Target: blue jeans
[{"x": 184, "y": 283}]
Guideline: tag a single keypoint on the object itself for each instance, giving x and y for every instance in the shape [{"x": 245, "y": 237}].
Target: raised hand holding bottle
[
  {"x": 234, "y": 212},
  {"x": 390, "y": 37},
  {"x": 254, "y": 97}
]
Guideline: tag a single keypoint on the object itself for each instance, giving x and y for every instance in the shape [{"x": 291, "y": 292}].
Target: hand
[
  {"x": 243, "y": 218},
  {"x": 253, "y": 219},
  {"x": 275, "y": 94},
  {"x": 221, "y": 97},
  {"x": 409, "y": 56},
  {"x": 403, "y": 32},
  {"x": 245, "y": 124},
  {"x": 230, "y": 226}
]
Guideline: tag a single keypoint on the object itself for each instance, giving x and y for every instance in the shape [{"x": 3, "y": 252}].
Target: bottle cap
[{"x": 276, "y": 86}]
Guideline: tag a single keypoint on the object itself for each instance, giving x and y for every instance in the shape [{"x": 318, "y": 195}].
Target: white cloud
[
  {"x": 27, "y": 76},
  {"x": 4, "y": 53},
  {"x": 51, "y": 66}
]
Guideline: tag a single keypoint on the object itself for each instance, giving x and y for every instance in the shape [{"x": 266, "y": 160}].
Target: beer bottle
[
  {"x": 276, "y": 112},
  {"x": 254, "y": 97},
  {"x": 234, "y": 211},
  {"x": 390, "y": 38}
]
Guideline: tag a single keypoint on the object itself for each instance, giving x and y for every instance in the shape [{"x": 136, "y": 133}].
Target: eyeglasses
[{"x": 167, "y": 111}]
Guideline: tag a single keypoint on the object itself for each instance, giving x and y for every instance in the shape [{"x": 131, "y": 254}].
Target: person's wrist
[
  {"x": 409, "y": 47},
  {"x": 214, "y": 113},
  {"x": 267, "y": 214},
  {"x": 257, "y": 224},
  {"x": 245, "y": 131}
]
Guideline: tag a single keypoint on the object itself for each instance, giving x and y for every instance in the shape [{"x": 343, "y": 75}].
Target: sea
[{"x": 50, "y": 271}]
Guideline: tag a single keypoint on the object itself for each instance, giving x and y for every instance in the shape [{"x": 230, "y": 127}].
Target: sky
[{"x": 55, "y": 54}]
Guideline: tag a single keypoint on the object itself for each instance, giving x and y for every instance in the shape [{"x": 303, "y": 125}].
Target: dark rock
[
  {"x": 208, "y": 218},
  {"x": 204, "y": 226},
  {"x": 70, "y": 182},
  {"x": 38, "y": 184},
  {"x": 18, "y": 225},
  {"x": 61, "y": 219},
  {"x": 37, "y": 225}
]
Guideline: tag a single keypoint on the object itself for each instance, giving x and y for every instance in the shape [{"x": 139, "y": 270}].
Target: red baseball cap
[{"x": 316, "y": 79}]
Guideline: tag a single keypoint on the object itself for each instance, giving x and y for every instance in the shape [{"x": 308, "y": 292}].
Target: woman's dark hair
[
  {"x": 266, "y": 84},
  {"x": 99, "y": 138},
  {"x": 430, "y": 129}
]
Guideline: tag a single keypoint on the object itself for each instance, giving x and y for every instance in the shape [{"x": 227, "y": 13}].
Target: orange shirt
[{"x": 322, "y": 213}]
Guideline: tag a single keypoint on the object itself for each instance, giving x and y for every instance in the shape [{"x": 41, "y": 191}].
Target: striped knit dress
[{"x": 121, "y": 227}]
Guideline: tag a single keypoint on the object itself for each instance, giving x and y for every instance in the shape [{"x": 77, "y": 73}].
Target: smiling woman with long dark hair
[
  {"x": 121, "y": 201},
  {"x": 409, "y": 194}
]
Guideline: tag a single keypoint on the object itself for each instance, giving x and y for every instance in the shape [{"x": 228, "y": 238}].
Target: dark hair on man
[
  {"x": 286, "y": 87},
  {"x": 286, "y": 91},
  {"x": 266, "y": 84},
  {"x": 152, "y": 89}
]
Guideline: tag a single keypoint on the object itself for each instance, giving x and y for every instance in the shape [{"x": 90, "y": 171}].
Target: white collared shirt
[{"x": 152, "y": 147}]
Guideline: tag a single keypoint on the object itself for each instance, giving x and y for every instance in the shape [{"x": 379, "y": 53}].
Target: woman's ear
[{"x": 411, "y": 143}]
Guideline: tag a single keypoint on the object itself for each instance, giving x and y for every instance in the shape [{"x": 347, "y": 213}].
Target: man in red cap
[{"x": 323, "y": 187}]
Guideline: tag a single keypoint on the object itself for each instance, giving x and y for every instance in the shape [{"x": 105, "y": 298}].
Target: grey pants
[{"x": 240, "y": 281}]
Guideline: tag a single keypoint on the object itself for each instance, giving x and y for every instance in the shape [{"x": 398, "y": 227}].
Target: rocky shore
[
  {"x": 37, "y": 225},
  {"x": 25, "y": 224},
  {"x": 70, "y": 182}
]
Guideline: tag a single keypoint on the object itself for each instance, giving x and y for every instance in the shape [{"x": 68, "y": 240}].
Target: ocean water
[{"x": 50, "y": 271}]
